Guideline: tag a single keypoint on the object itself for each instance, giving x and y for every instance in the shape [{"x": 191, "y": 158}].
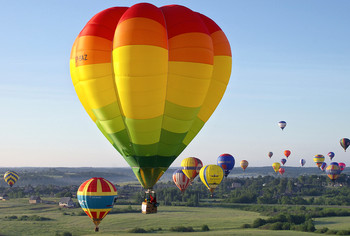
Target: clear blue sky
[{"x": 291, "y": 61}]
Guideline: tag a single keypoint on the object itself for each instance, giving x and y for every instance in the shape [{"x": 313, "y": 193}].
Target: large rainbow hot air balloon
[
  {"x": 181, "y": 180},
  {"x": 191, "y": 167},
  {"x": 226, "y": 162},
  {"x": 150, "y": 78},
  {"x": 319, "y": 159},
  {"x": 11, "y": 177},
  {"x": 96, "y": 197},
  {"x": 211, "y": 176}
]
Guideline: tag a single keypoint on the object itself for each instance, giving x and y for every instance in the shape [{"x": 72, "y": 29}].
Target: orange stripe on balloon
[
  {"x": 93, "y": 43},
  {"x": 221, "y": 44},
  {"x": 140, "y": 31},
  {"x": 144, "y": 10},
  {"x": 88, "y": 57}
]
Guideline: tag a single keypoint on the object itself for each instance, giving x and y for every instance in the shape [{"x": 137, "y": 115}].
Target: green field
[
  {"x": 338, "y": 223},
  {"x": 221, "y": 221}
]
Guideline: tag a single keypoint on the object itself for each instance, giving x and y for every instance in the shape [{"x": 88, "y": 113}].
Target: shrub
[
  {"x": 343, "y": 232},
  {"x": 205, "y": 228},
  {"x": 246, "y": 226},
  {"x": 258, "y": 222},
  {"x": 137, "y": 230},
  {"x": 182, "y": 229},
  {"x": 321, "y": 231}
]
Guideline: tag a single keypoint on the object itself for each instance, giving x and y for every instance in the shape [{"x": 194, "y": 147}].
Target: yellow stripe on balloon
[
  {"x": 95, "y": 71},
  {"x": 188, "y": 83},
  {"x": 149, "y": 66}
]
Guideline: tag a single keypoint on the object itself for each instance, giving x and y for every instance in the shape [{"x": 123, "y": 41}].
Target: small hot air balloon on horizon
[
  {"x": 282, "y": 124},
  {"x": 331, "y": 155},
  {"x": 287, "y": 153},
  {"x": 226, "y": 162},
  {"x": 281, "y": 170},
  {"x": 345, "y": 142},
  {"x": 11, "y": 177},
  {"x": 333, "y": 171},
  {"x": 341, "y": 166},
  {"x": 283, "y": 161},
  {"x": 319, "y": 159},
  {"x": 244, "y": 164},
  {"x": 191, "y": 167},
  {"x": 270, "y": 154},
  {"x": 96, "y": 197},
  {"x": 323, "y": 166},
  {"x": 211, "y": 176},
  {"x": 181, "y": 180},
  {"x": 276, "y": 166},
  {"x": 302, "y": 162}
]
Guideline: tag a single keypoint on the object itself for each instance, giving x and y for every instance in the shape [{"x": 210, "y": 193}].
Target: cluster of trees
[{"x": 303, "y": 190}]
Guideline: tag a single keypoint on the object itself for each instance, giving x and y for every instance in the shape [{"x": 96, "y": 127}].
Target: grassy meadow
[{"x": 221, "y": 221}]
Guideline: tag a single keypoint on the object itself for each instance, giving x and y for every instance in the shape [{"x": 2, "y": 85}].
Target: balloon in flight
[
  {"x": 150, "y": 78},
  {"x": 226, "y": 162},
  {"x": 333, "y": 171},
  {"x": 345, "y": 142},
  {"x": 302, "y": 162},
  {"x": 282, "y": 124},
  {"x": 270, "y": 154},
  {"x": 276, "y": 166},
  {"x": 244, "y": 164},
  {"x": 181, "y": 180},
  {"x": 11, "y": 177},
  {"x": 318, "y": 159},
  {"x": 331, "y": 155},
  {"x": 211, "y": 176},
  {"x": 341, "y": 166},
  {"x": 191, "y": 167},
  {"x": 283, "y": 161},
  {"x": 287, "y": 153},
  {"x": 281, "y": 171},
  {"x": 323, "y": 166},
  {"x": 96, "y": 197}
]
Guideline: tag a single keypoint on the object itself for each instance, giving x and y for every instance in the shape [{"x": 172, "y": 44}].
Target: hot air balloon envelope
[
  {"x": 191, "y": 167},
  {"x": 211, "y": 176},
  {"x": 282, "y": 124},
  {"x": 276, "y": 166},
  {"x": 226, "y": 162},
  {"x": 11, "y": 177},
  {"x": 287, "y": 153},
  {"x": 333, "y": 171},
  {"x": 341, "y": 166},
  {"x": 270, "y": 154},
  {"x": 281, "y": 170},
  {"x": 345, "y": 142},
  {"x": 244, "y": 164},
  {"x": 283, "y": 161},
  {"x": 302, "y": 162},
  {"x": 323, "y": 166},
  {"x": 96, "y": 197},
  {"x": 150, "y": 78},
  {"x": 331, "y": 155},
  {"x": 181, "y": 180},
  {"x": 319, "y": 159}
]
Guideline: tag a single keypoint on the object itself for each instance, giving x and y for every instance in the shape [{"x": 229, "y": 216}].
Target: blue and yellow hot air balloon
[
  {"x": 333, "y": 171},
  {"x": 211, "y": 176},
  {"x": 226, "y": 162},
  {"x": 319, "y": 159},
  {"x": 11, "y": 177},
  {"x": 96, "y": 197},
  {"x": 191, "y": 167},
  {"x": 150, "y": 78}
]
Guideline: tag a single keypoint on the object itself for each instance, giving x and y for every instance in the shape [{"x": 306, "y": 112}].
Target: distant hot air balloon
[
  {"x": 191, "y": 167},
  {"x": 333, "y": 171},
  {"x": 244, "y": 164},
  {"x": 302, "y": 162},
  {"x": 345, "y": 142},
  {"x": 287, "y": 153},
  {"x": 282, "y": 124},
  {"x": 283, "y": 161},
  {"x": 323, "y": 166},
  {"x": 341, "y": 166},
  {"x": 11, "y": 177},
  {"x": 96, "y": 197},
  {"x": 181, "y": 180},
  {"x": 211, "y": 176},
  {"x": 150, "y": 78},
  {"x": 319, "y": 159},
  {"x": 270, "y": 154},
  {"x": 331, "y": 155},
  {"x": 276, "y": 166},
  {"x": 281, "y": 170},
  {"x": 226, "y": 162}
]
